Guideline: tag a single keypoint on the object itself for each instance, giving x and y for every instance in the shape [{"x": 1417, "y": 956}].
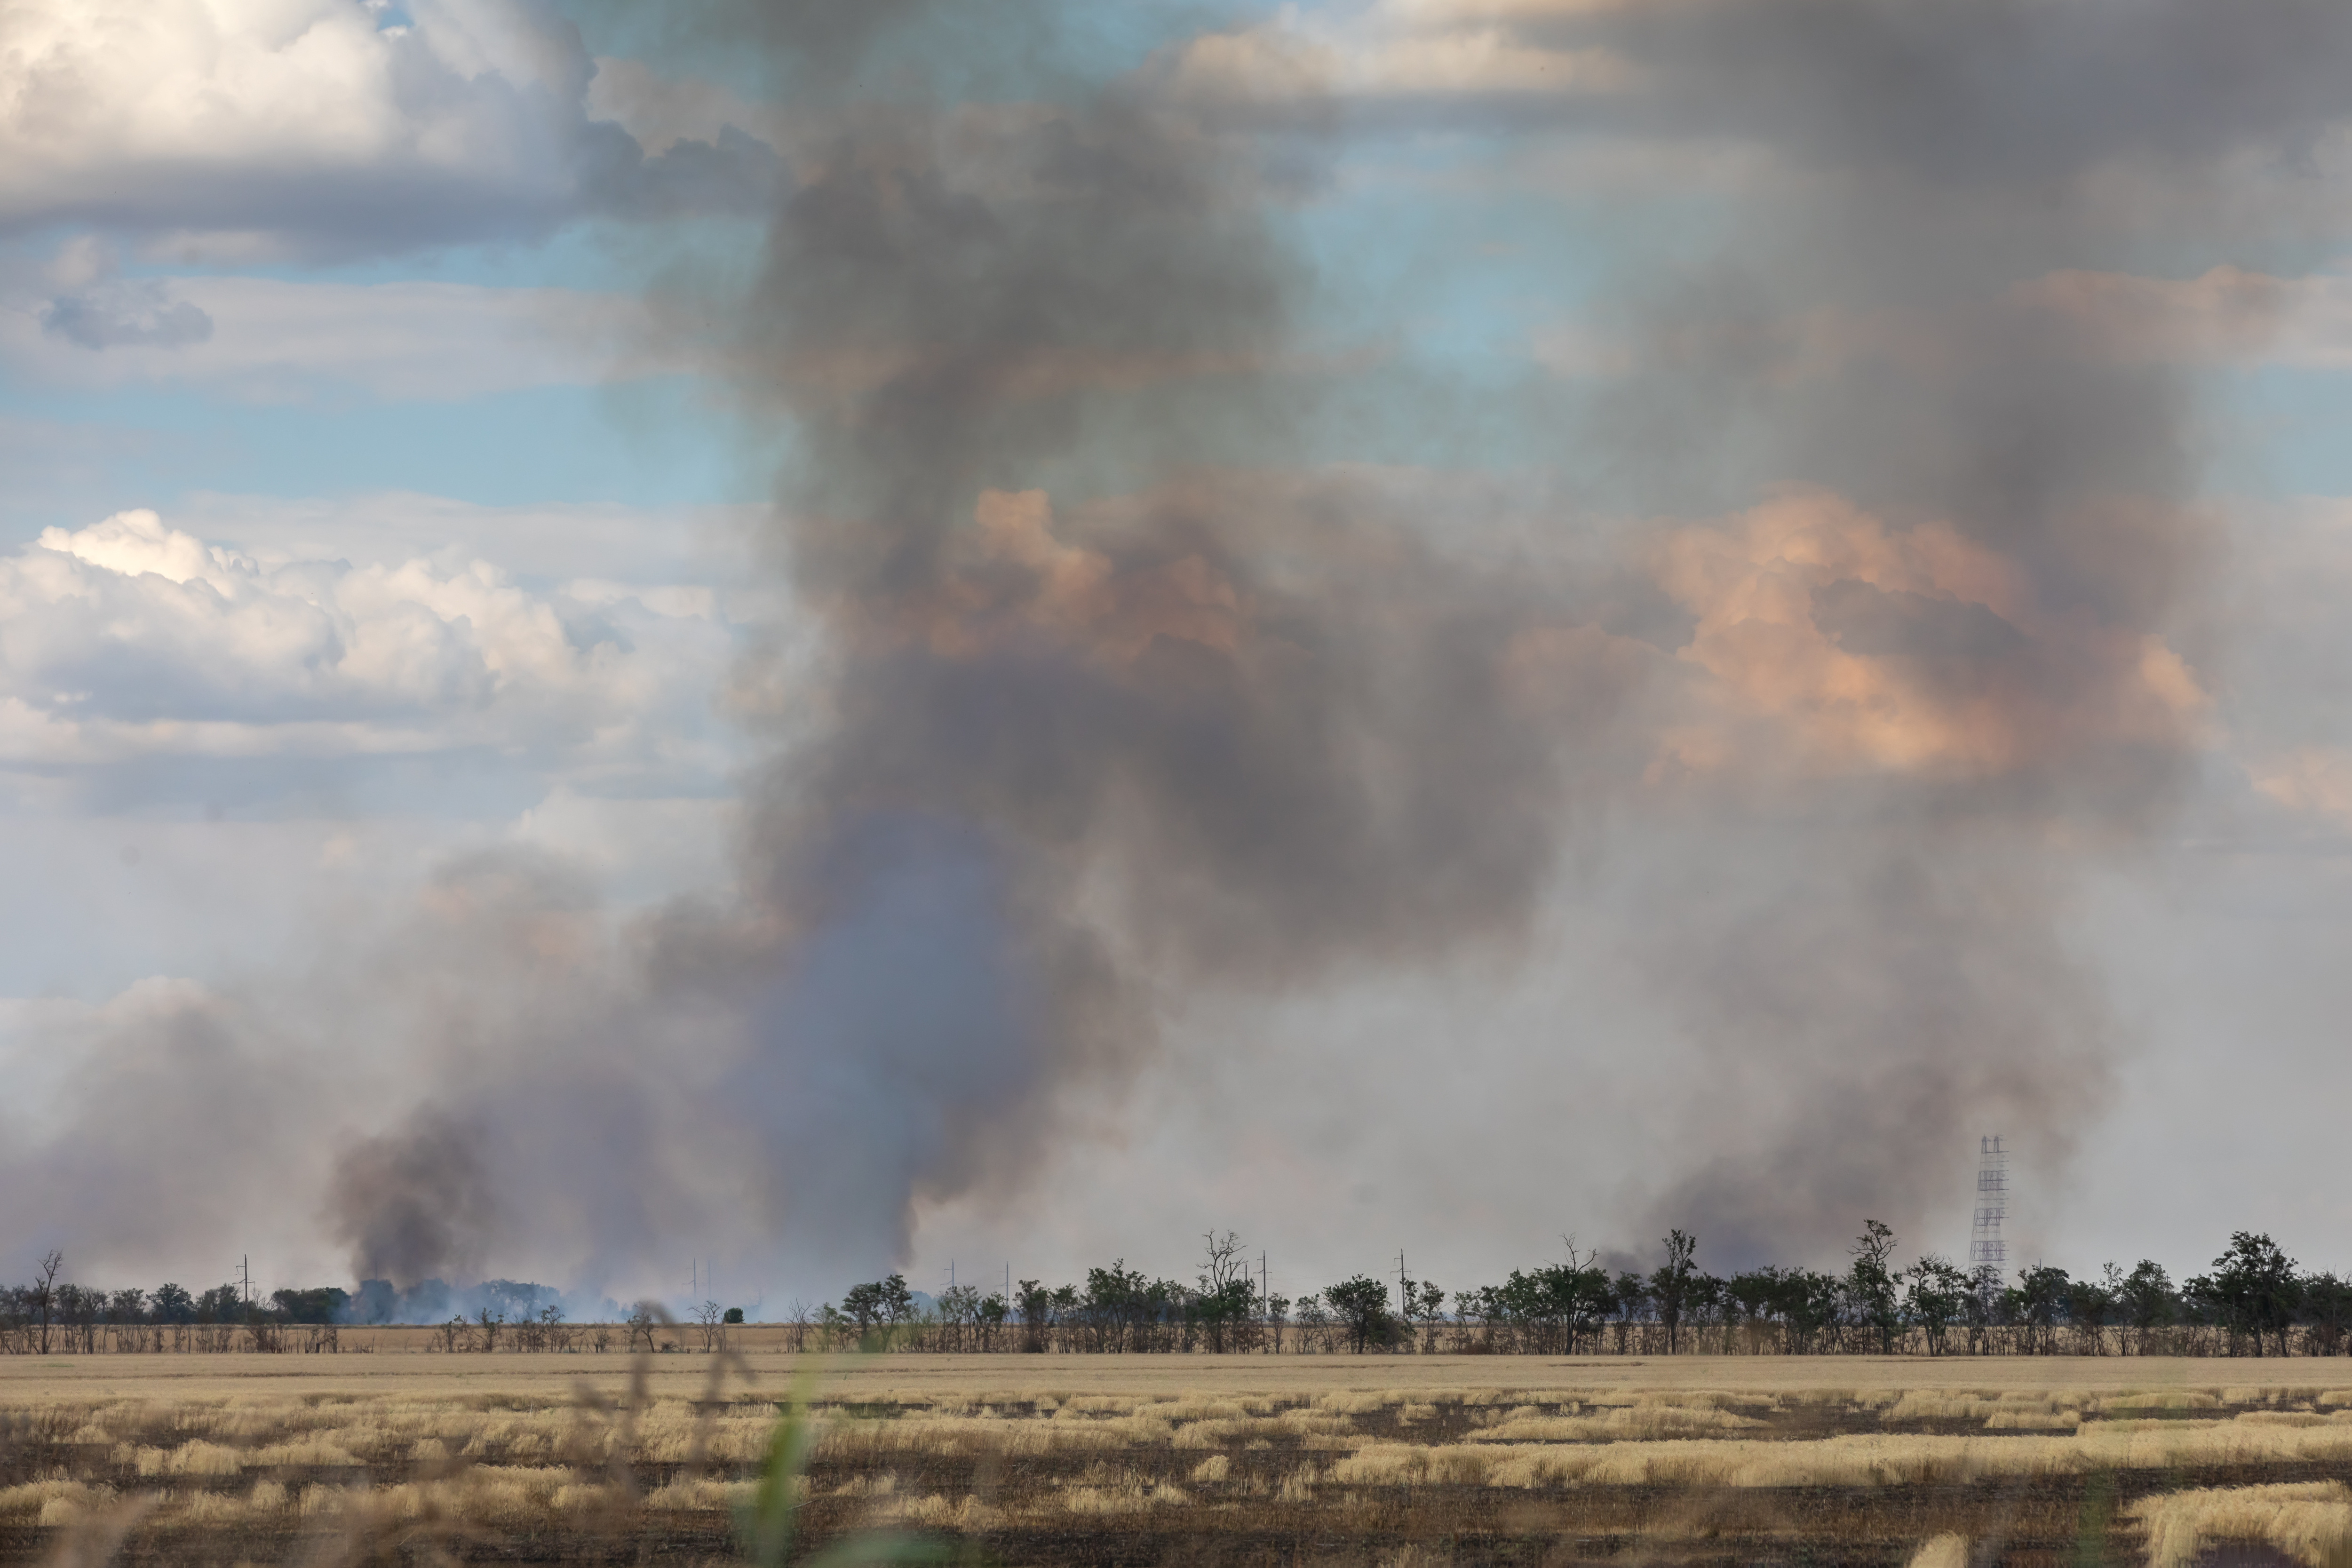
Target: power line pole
[
  {"x": 1405, "y": 1298},
  {"x": 1987, "y": 1250}
]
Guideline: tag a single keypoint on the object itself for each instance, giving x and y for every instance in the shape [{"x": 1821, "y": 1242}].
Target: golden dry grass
[
  {"x": 958, "y": 1382},
  {"x": 2309, "y": 1522},
  {"x": 1942, "y": 1551},
  {"x": 255, "y": 1448}
]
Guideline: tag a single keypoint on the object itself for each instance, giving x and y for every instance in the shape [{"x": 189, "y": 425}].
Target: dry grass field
[{"x": 395, "y": 1457}]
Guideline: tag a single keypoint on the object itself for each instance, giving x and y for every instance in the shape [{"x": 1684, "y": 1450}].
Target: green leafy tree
[
  {"x": 2091, "y": 1306},
  {"x": 2148, "y": 1300},
  {"x": 1227, "y": 1298},
  {"x": 321, "y": 1304},
  {"x": 1706, "y": 1301},
  {"x": 1036, "y": 1305},
  {"x": 875, "y": 1310},
  {"x": 1361, "y": 1305},
  {"x": 1549, "y": 1310},
  {"x": 1116, "y": 1307},
  {"x": 2255, "y": 1288},
  {"x": 1670, "y": 1287},
  {"x": 1427, "y": 1309},
  {"x": 2327, "y": 1309},
  {"x": 1936, "y": 1297},
  {"x": 1629, "y": 1297},
  {"x": 2040, "y": 1305},
  {"x": 1871, "y": 1284},
  {"x": 1752, "y": 1297},
  {"x": 1808, "y": 1302}
]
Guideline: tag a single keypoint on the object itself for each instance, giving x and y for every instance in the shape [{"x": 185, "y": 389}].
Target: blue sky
[{"x": 367, "y": 517}]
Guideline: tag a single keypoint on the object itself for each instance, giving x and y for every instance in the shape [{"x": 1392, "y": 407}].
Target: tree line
[
  {"x": 52, "y": 1315},
  {"x": 2255, "y": 1300}
]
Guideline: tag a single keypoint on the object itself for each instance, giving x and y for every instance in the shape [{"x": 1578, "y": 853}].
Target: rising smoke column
[
  {"x": 1955, "y": 555},
  {"x": 1100, "y": 711},
  {"x": 1103, "y": 714},
  {"x": 1113, "y": 701},
  {"x": 1112, "y": 718}
]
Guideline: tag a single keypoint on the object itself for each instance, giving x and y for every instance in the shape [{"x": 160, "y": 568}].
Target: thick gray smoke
[
  {"x": 1119, "y": 698},
  {"x": 1164, "y": 726},
  {"x": 414, "y": 1206},
  {"x": 1874, "y": 962}
]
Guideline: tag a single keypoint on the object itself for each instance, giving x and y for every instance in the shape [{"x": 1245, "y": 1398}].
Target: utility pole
[
  {"x": 1405, "y": 1298},
  {"x": 1265, "y": 1300},
  {"x": 1988, "y": 1252}
]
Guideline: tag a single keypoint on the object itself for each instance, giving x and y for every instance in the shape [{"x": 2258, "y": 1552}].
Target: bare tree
[
  {"x": 42, "y": 1297},
  {"x": 709, "y": 1321},
  {"x": 1222, "y": 1260},
  {"x": 1228, "y": 1295},
  {"x": 797, "y": 1317}
]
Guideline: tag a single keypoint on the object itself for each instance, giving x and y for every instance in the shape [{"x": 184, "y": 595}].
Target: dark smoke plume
[
  {"x": 1983, "y": 666},
  {"x": 412, "y": 1208},
  {"x": 1166, "y": 724},
  {"x": 1119, "y": 700}
]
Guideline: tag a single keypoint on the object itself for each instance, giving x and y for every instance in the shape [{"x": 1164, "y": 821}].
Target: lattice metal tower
[{"x": 1987, "y": 1252}]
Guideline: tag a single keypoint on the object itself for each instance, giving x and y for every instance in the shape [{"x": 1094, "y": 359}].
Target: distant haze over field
[{"x": 834, "y": 636}]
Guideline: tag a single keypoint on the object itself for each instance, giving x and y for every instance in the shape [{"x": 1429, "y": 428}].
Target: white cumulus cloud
[
  {"x": 129, "y": 640},
  {"x": 338, "y": 126}
]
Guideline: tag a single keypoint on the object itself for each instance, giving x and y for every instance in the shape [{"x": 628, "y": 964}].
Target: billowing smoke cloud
[
  {"x": 1159, "y": 725},
  {"x": 1116, "y": 699},
  {"x": 1962, "y": 626},
  {"x": 412, "y": 1208}
]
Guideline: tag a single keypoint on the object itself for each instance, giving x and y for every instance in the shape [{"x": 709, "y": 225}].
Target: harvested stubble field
[{"x": 1150, "y": 1459}]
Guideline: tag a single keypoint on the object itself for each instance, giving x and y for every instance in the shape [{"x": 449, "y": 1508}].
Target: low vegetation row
[{"x": 2256, "y": 1301}]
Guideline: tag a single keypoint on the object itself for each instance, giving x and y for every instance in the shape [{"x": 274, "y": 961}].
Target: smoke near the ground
[
  {"x": 1119, "y": 698},
  {"x": 1963, "y": 626},
  {"x": 1100, "y": 713}
]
